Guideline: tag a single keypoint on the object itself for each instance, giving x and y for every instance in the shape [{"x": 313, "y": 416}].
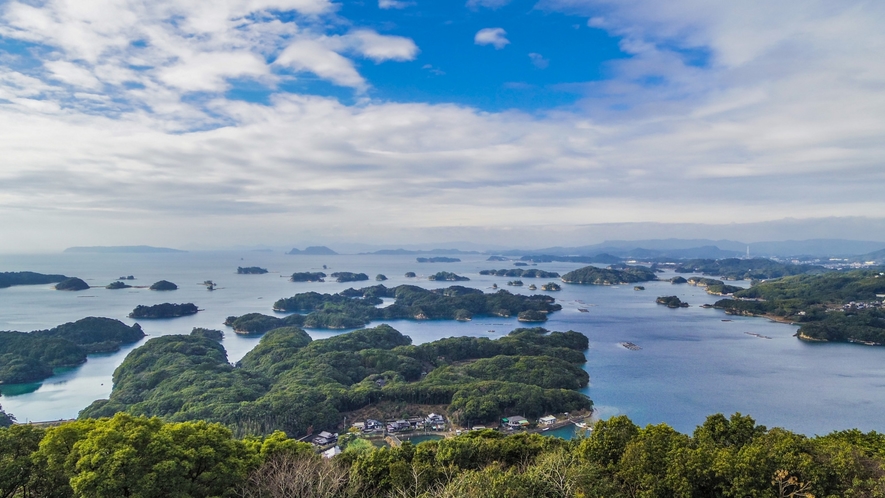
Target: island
[
  {"x": 551, "y": 287},
  {"x": 165, "y": 310},
  {"x": 380, "y": 277},
  {"x": 638, "y": 287},
  {"x": 313, "y": 251},
  {"x": 292, "y": 383},
  {"x": 410, "y": 274},
  {"x": 354, "y": 308},
  {"x": 838, "y": 306},
  {"x": 439, "y": 259},
  {"x": 671, "y": 302},
  {"x": 307, "y": 276},
  {"x": 251, "y": 270},
  {"x": 447, "y": 276},
  {"x": 257, "y": 323},
  {"x": 118, "y": 285},
  {"x": 678, "y": 280},
  {"x": 163, "y": 285},
  {"x": 520, "y": 272},
  {"x": 33, "y": 356},
  {"x": 128, "y": 277},
  {"x": 8, "y": 279},
  {"x": 520, "y": 263},
  {"x": 497, "y": 258},
  {"x": 531, "y": 316},
  {"x": 71, "y": 284},
  {"x": 713, "y": 286},
  {"x": 746, "y": 269},
  {"x": 516, "y": 283},
  {"x": 346, "y": 276},
  {"x": 608, "y": 276}
]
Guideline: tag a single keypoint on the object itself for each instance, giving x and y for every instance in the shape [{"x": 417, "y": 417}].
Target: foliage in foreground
[{"x": 724, "y": 457}]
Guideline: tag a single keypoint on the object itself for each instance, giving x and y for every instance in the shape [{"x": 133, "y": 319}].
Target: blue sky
[{"x": 179, "y": 122}]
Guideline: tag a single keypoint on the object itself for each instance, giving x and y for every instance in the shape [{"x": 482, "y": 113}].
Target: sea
[{"x": 691, "y": 362}]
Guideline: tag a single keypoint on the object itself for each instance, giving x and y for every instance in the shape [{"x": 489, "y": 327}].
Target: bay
[{"x": 691, "y": 362}]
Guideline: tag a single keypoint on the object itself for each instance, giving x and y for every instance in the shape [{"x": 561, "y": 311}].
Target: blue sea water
[{"x": 692, "y": 363}]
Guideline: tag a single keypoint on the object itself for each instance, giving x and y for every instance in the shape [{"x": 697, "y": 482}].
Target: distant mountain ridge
[
  {"x": 121, "y": 249},
  {"x": 313, "y": 251}
]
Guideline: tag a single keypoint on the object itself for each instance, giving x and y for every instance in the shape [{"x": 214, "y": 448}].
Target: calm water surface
[{"x": 692, "y": 363}]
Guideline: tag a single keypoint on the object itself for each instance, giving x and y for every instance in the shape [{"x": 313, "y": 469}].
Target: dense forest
[
  {"x": 32, "y": 356},
  {"x": 164, "y": 310},
  {"x": 8, "y": 279},
  {"x": 353, "y": 308},
  {"x": 291, "y": 383},
  {"x": 608, "y": 276},
  {"x": 833, "y": 306},
  {"x": 746, "y": 269},
  {"x": 724, "y": 457}
]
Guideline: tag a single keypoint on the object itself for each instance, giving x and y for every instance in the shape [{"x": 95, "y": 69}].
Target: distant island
[
  {"x": 671, "y": 302},
  {"x": 32, "y": 356},
  {"x": 118, "y": 285},
  {"x": 410, "y": 274},
  {"x": 71, "y": 284},
  {"x": 165, "y": 310},
  {"x": 608, "y": 276},
  {"x": 678, "y": 280},
  {"x": 438, "y": 259},
  {"x": 713, "y": 286},
  {"x": 520, "y": 272},
  {"x": 346, "y": 276},
  {"x": 163, "y": 285},
  {"x": 307, "y": 276},
  {"x": 447, "y": 276},
  {"x": 746, "y": 269},
  {"x": 251, "y": 270},
  {"x": 8, "y": 279},
  {"x": 605, "y": 259},
  {"x": 497, "y": 258},
  {"x": 380, "y": 277},
  {"x": 551, "y": 287},
  {"x": 313, "y": 251},
  {"x": 121, "y": 249}
]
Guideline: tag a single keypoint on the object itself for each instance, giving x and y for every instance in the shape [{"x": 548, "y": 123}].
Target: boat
[
  {"x": 582, "y": 425},
  {"x": 630, "y": 346}
]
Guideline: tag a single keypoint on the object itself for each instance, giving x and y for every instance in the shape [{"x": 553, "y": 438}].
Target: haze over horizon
[{"x": 203, "y": 124}]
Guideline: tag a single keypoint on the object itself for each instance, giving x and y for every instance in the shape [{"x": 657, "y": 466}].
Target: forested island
[
  {"x": 354, "y": 308},
  {"x": 746, "y": 269},
  {"x": 346, "y": 276},
  {"x": 313, "y": 251},
  {"x": 8, "y": 279},
  {"x": 519, "y": 272},
  {"x": 834, "y": 306},
  {"x": 71, "y": 284},
  {"x": 32, "y": 356},
  {"x": 251, "y": 270},
  {"x": 438, "y": 259},
  {"x": 671, "y": 302},
  {"x": 116, "y": 285},
  {"x": 292, "y": 383},
  {"x": 307, "y": 276},
  {"x": 163, "y": 285},
  {"x": 713, "y": 286},
  {"x": 447, "y": 276},
  {"x": 608, "y": 276},
  {"x": 165, "y": 310}
]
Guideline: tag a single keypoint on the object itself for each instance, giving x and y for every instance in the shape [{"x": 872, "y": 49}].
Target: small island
[
  {"x": 638, "y": 287},
  {"x": 438, "y": 259},
  {"x": 127, "y": 277},
  {"x": 551, "y": 287},
  {"x": 515, "y": 283},
  {"x": 519, "y": 272},
  {"x": 163, "y": 285},
  {"x": 313, "y": 251},
  {"x": 211, "y": 334},
  {"x": 165, "y": 310},
  {"x": 118, "y": 285},
  {"x": 713, "y": 286},
  {"x": 678, "y": 280},
  {"x": 609, "y": 276},
  {"x": 410, "y": 274},
  {"x": 671, "y": 302},
  {"x": 447, "y": 276},
  {"x": 532, "y": 316},
  {"x": 71, "y": 284},
  {"x": 306, "y": 276},
  {"x": 346, "y": 276},
  {"x": 8, "y": 279},
  {"x": 497, "y": 258},
  {"x": 257, "y": 323},
  {"x": 380, "y": 277},
  {"x": 520, "y": 263},
  {"x": 251, "y": 270}
]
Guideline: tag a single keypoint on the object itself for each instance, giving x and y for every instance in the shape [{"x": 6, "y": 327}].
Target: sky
[{"x": 197, "y": 123}]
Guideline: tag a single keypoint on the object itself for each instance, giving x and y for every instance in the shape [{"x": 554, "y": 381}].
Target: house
[
  {"x": 548, "y": 420},
  {"x": 325, "y": 438},
  {"x": 515, "y": 422},
  {"x": 399, "y": 425},
  {"x": 360, "y": 426},
  {"x": 373, "y": 425}
]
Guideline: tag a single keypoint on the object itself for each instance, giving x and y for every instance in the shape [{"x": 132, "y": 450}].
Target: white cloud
[
  {"x": 496, "y": 37},
  {"x": 538, "y": 60},
  {"x": 313, "y": 56},
  {"x": 375, "y": 46},
  {"x": 393, "y": 4},
  {"x": 72, "y": 74},
  {"x": 489, "y": 4}
]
